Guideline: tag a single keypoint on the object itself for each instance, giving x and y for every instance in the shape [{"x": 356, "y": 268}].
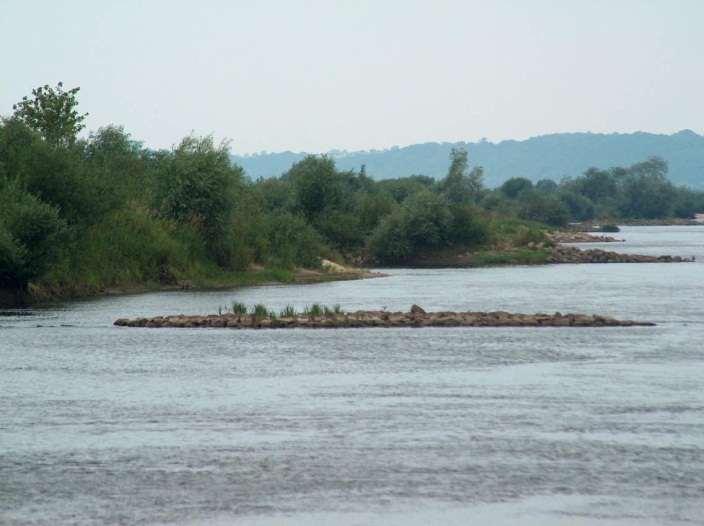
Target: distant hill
[{"x": 547, "y": 156}]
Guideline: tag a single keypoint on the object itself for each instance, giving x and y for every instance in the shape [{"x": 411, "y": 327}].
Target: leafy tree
[
  {"x": 516, "y": 186},
  {"x": 546, "y": 209},
  {"x": 372, "y": 207},
  {"x": 467, "y": 228},
  {"x": 400, "y": 189},
  {"x": 341, "y": 229},
  {"x": 276, "y": 194},
  {"x": 291, "y": 242},
  {"x": 460, "y": 186},
  {"x": 546, "y": 186},
  {"x": 52, "y": 112},
  {"x": 422, "y": 224},
  {"x": 580, "y": 207},
  {"x": 57, "y": 176},
  {"x": 390, "y": 243},
  {"x": 317, "y": 185},
  {"x": 30, "y": 232},
  {"x": 646, "y": 192},
  {"x": 597, "y": 184},
  {"x": 198, "y": 185}
]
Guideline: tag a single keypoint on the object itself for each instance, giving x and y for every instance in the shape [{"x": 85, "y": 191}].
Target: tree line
[
  {"x": 639, "y": 191},
  {"x": 79, "y": 215}
]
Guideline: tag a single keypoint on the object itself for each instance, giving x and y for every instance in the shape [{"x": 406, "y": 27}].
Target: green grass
[
  {"x": 522, "y": 256},
  {"x": 239, "y": 308},
  {"x": 313, "y": 310},
  {"x": 288, "y": 312},
  {"x": 260, "y": 311}
]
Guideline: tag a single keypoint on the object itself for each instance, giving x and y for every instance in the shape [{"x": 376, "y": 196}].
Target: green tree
[
  {"x": 198, "y": 185},
  {"x": 546, "y": 186},
  {"x": 30, "y": 235},
  {"x": 515, "y": 186},
  {"x": 317, "y": 185},
  {"x": 581, "y": 208},
  {"x": 460, "y": 186},
  {"x": 546, "y": 209},
  {"x": 52, "y": 112},
  {"x": 646, "y": 192}
]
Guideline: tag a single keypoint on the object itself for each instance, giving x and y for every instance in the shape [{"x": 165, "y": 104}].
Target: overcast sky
[{"x": 317, "y": 75}]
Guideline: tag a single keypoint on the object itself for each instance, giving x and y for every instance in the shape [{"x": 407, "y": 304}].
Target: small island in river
[{"x": 324, "y": 318}]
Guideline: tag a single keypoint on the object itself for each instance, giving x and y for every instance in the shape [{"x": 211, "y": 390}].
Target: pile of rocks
[
  {"x": 565, "y": 254},
  {"x": 417, "y": 317},
  {"x": 581, "y": 237}
]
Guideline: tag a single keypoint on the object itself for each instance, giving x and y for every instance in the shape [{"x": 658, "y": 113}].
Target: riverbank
[
  {"x": 256, "y": 275},
  {"x": 416, "y": 317}
]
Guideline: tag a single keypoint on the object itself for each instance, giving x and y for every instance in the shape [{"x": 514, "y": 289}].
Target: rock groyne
[
  {"x": 417, "y": 317},
  {"x": 567, "y": 254},
  {"x": 581, "y": 237}
]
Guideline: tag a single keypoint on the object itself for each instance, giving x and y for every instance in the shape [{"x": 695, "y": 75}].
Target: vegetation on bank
[
  {"x": 641, "y": 191},
  {"x": 81, "y": 216}
]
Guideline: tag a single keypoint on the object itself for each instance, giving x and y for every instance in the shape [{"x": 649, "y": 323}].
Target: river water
[{"x": 551, "y": 426}]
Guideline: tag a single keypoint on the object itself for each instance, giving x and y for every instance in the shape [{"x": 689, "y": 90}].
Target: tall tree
[
  {"x": 52, "y": 112},
  {"x": 460, "y": 186}
]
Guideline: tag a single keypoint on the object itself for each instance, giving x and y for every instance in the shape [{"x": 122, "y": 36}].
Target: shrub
[
  {"x": 291, "y": 242},
  {"x": 197, "y": 185},
  {"x": 516, "y": 186},
  {"x": 468, "y": 228},
  {"x": 30, "y": 233},
  {"x": 546, "y": 209}
]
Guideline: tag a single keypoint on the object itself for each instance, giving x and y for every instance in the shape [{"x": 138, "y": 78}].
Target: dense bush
[
  {"x": 198, "y": 186},
  {"x": 30, "y": 236},
  {"x": 543, "y": 208},
  {"x": 426, "y": 223},
  {"x": 291, "y": 242}
]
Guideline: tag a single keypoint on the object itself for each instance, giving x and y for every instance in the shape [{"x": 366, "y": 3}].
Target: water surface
[{"x": 106, "y": 425}]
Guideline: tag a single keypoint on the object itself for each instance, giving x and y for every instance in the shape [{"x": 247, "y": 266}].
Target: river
[{"x": 552, "y": 426}]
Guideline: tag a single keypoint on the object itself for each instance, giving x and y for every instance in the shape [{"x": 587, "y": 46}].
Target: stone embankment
[
  {"x": 566, "y": 254},
  {"x": 417, "y": 317},
  {"x": 581, "y": 237}
]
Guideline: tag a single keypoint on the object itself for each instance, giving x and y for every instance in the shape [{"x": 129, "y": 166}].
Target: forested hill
[{"x": 548, "y": 156}]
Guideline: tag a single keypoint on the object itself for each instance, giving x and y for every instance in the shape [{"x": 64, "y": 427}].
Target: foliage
[
  {"x": 239, "y": 308},
  {"x": 460, "y": 186},
  {"x": 516, "y": 186},
  {"x": 289, "y": 311},
  {"x": 544, "y": 209},
  {"x": 197, "y": 185},
  {"x": 314, "y": 310},
  {"x": 52, "y": 112},
  {"x": 260, "y": 311},
  {"x": 316, "y": 184},
  {"x": 290, "y": 241},
  {"x": 30, "y": 235},
  {"x": 79, "y": 216}
]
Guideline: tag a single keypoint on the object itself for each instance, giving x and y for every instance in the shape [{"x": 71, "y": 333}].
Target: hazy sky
[{"x": 316, "y": 75}]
